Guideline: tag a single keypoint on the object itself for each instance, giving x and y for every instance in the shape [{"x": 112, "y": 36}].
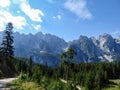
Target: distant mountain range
[{"x": 46, "y": 48}]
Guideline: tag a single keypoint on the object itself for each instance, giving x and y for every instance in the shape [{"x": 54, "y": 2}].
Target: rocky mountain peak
[{"x": 106, "y": 42}]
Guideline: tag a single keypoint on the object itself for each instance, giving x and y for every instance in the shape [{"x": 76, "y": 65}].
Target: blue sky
[{"x": 67, "y": 19}]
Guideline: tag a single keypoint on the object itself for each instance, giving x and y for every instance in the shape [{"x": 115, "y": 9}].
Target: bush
[{"x": 55, "y": 85}]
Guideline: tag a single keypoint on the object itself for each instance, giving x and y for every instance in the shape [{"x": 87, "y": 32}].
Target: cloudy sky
[{"x": 67, "y": 19}]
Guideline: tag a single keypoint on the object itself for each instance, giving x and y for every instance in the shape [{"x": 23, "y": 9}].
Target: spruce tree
[
  {"x": 8, "y": 50},
  {"x": 7, "y": 43},
  {"x": 30, "y": 64},
  {"x": 68, "y": 56}
]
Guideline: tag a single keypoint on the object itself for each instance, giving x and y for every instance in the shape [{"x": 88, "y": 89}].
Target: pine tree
[
  {"x": 7, "y": 43},
  {"x": 68, "y": 56},
  {"x": 30, "y": 64},
  {"x": 1, "y": 56},
  {"x": 8, "y": 51}
]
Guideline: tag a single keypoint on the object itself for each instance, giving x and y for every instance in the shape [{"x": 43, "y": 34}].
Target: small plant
[{"x": 55, "y": 85}]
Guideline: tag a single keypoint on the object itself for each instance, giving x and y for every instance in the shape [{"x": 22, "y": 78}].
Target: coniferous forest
[{"x": 66, "y": 76}]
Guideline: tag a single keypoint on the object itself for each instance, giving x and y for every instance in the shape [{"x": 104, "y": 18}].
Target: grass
[
  {"x": 24, "y": 85},
  {"x": 19, "y": 85},
  {"x": 114, "y": 85}
]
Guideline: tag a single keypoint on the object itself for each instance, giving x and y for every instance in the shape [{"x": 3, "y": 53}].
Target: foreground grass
[
  {"x": 54, "y": 85},
  {"x": 112, "y": 88},
  {"x": 20, "y": 85},
  {"x": 114, "y": 85}
]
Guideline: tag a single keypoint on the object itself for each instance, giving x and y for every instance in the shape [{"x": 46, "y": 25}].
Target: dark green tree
[
  {"x": 89, "y": 83},
  {"x": 19, "y": 66},
  {"x": 37, "y": 75},
  {"x": 30, "y": 64},
  {"x": 1, "y": 55},
  {"x": 7, "y": 50},
  {"x": 7, "y": 43},
  {"x": 67, "y": 56}
]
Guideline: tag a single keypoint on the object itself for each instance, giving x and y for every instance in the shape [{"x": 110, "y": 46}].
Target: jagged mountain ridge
[
  {"x": 103, "y": 48},
  {"x": 46, "y": 48}
]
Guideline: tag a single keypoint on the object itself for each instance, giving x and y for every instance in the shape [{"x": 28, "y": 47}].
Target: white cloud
[
  {"x": 18, "y": 12},
  {"x": 18, "y": 21},
  {"x": 18, "y": 18},
  {"x": 17, "y": 1},
  {"x": 37, "y": 27},
  {"x": 57, "y": 17},
  {"x": 1, "y": 25},
  {"x": 33, "y": 14},
  {"x": 4, "y": 3},
  {"x": 78, "y": 7}
]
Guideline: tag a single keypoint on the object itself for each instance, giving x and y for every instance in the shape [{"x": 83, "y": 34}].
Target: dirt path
[{"x": 4, "y": 82}]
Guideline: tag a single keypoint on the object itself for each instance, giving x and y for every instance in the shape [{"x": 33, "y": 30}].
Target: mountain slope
[
  {"x": 46, "y": 48},
  {"x": 43, "y": 47},
  {"x": 85, "y": 49},
  {"x": 103, "y": 48}
]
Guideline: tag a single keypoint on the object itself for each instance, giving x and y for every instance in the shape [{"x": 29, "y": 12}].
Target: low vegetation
[
  {"x": 95, "y": 76},
  {"x": 24, "y": 85},
  {"x": 113, "y": 85}
]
